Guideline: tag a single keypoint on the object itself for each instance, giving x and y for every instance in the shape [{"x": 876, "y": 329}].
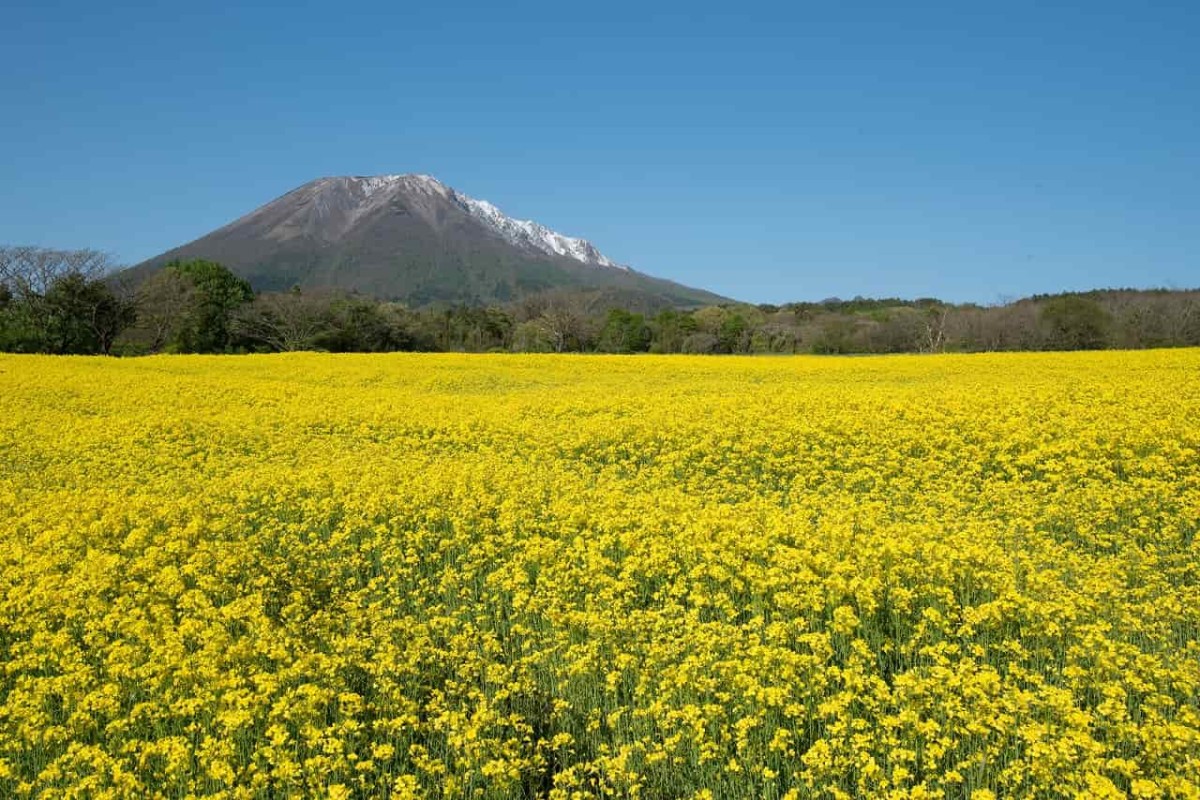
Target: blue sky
[{"x": 770, "y": 152}]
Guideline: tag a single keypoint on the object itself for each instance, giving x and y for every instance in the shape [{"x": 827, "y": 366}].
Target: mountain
[{"x": 412, "y": 238}]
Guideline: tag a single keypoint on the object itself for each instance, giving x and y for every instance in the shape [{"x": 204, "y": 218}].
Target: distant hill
[{"x": 412, "y": 238}]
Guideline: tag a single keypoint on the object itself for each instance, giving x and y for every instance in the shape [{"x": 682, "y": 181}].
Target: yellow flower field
[{"x": 449, "y": 576}]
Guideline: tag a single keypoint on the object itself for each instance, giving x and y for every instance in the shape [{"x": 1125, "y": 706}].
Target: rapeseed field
[{"x": 450, "y": 576}]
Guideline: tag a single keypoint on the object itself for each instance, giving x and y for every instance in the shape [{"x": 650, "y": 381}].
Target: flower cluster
[{"x": 446, "y": 576}]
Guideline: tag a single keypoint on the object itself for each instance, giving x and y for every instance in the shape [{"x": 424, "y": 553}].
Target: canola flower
[{"x": 449, "y": 576}]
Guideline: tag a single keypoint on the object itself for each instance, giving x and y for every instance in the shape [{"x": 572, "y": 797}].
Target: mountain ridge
[{"x": 411, "y": 237}]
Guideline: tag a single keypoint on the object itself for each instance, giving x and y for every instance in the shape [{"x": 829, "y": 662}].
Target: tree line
[{"x": 73, "y": 302}]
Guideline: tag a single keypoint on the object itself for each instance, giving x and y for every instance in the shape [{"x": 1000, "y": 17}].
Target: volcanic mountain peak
[
  {"x": 411, "y": 237},
  {"x": 520, "y": 232},
  {"x": 370, "y": 184}
]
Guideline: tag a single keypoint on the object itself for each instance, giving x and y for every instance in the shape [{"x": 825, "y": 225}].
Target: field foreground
[{"x": 518, "y": 576}]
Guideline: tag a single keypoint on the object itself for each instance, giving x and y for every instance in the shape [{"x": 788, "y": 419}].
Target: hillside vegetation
[{"x": 54, "y": 301}]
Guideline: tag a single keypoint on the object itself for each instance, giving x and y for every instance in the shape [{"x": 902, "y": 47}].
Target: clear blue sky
[{"x": 972, "y": 151}]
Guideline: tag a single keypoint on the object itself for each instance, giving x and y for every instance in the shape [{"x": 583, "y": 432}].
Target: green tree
[
  {"x": 1072, "y": 322},
  {"x": 532, "y": 337},
  {"x": 56, "y": 301},
  {"x": 670, "y": 329},
  {"x": 83, "y": 316},
  {"x": 624, "y": 332},
  {"x": 17, "y": 330},
  {"x": 207, "y": 326},
  {"x": 734, "y": 334},
  {"x": 836, "y": 334},
  {"x": 362, "y": 325}
]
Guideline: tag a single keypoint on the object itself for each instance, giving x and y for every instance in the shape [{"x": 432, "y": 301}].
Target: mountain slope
[{"x": 411, "y": 238}]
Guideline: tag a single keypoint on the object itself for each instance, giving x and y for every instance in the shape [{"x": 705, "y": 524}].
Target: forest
[{"x": 75, "y": 302}]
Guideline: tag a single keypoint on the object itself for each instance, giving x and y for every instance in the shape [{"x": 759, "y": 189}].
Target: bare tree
[
  {"x": 285, "y": 321},
  {"x": 933, "y": 329},
  {"x": 1182, "y": 319},
  {"x": 164, "y": 302},
  {"x": 30, "y": 271},
  {"x": 566, "y": 320}
]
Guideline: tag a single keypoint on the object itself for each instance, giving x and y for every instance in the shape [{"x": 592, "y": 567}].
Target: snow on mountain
[
  {"x": 520, "y": 232},
  {"x": 532, "y": 234}
]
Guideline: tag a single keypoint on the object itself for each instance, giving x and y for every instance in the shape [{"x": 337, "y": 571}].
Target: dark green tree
[
  {"x": 83, "y": 316},
  {"x": 358, "y": 325},
  {"x": 733, "y": 335},
  {"x": 836, "y": 335},
  {"x": 18, "y": 333},
  {"x": 1075, "y": 323},
  {"x": 207, "y": 328},
  {"x": 624, "y": 332},
  {"x": 670, "y": 329}
]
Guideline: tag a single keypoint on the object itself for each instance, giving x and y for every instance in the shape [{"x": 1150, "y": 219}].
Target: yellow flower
[{"x": 455, "y": 576}]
